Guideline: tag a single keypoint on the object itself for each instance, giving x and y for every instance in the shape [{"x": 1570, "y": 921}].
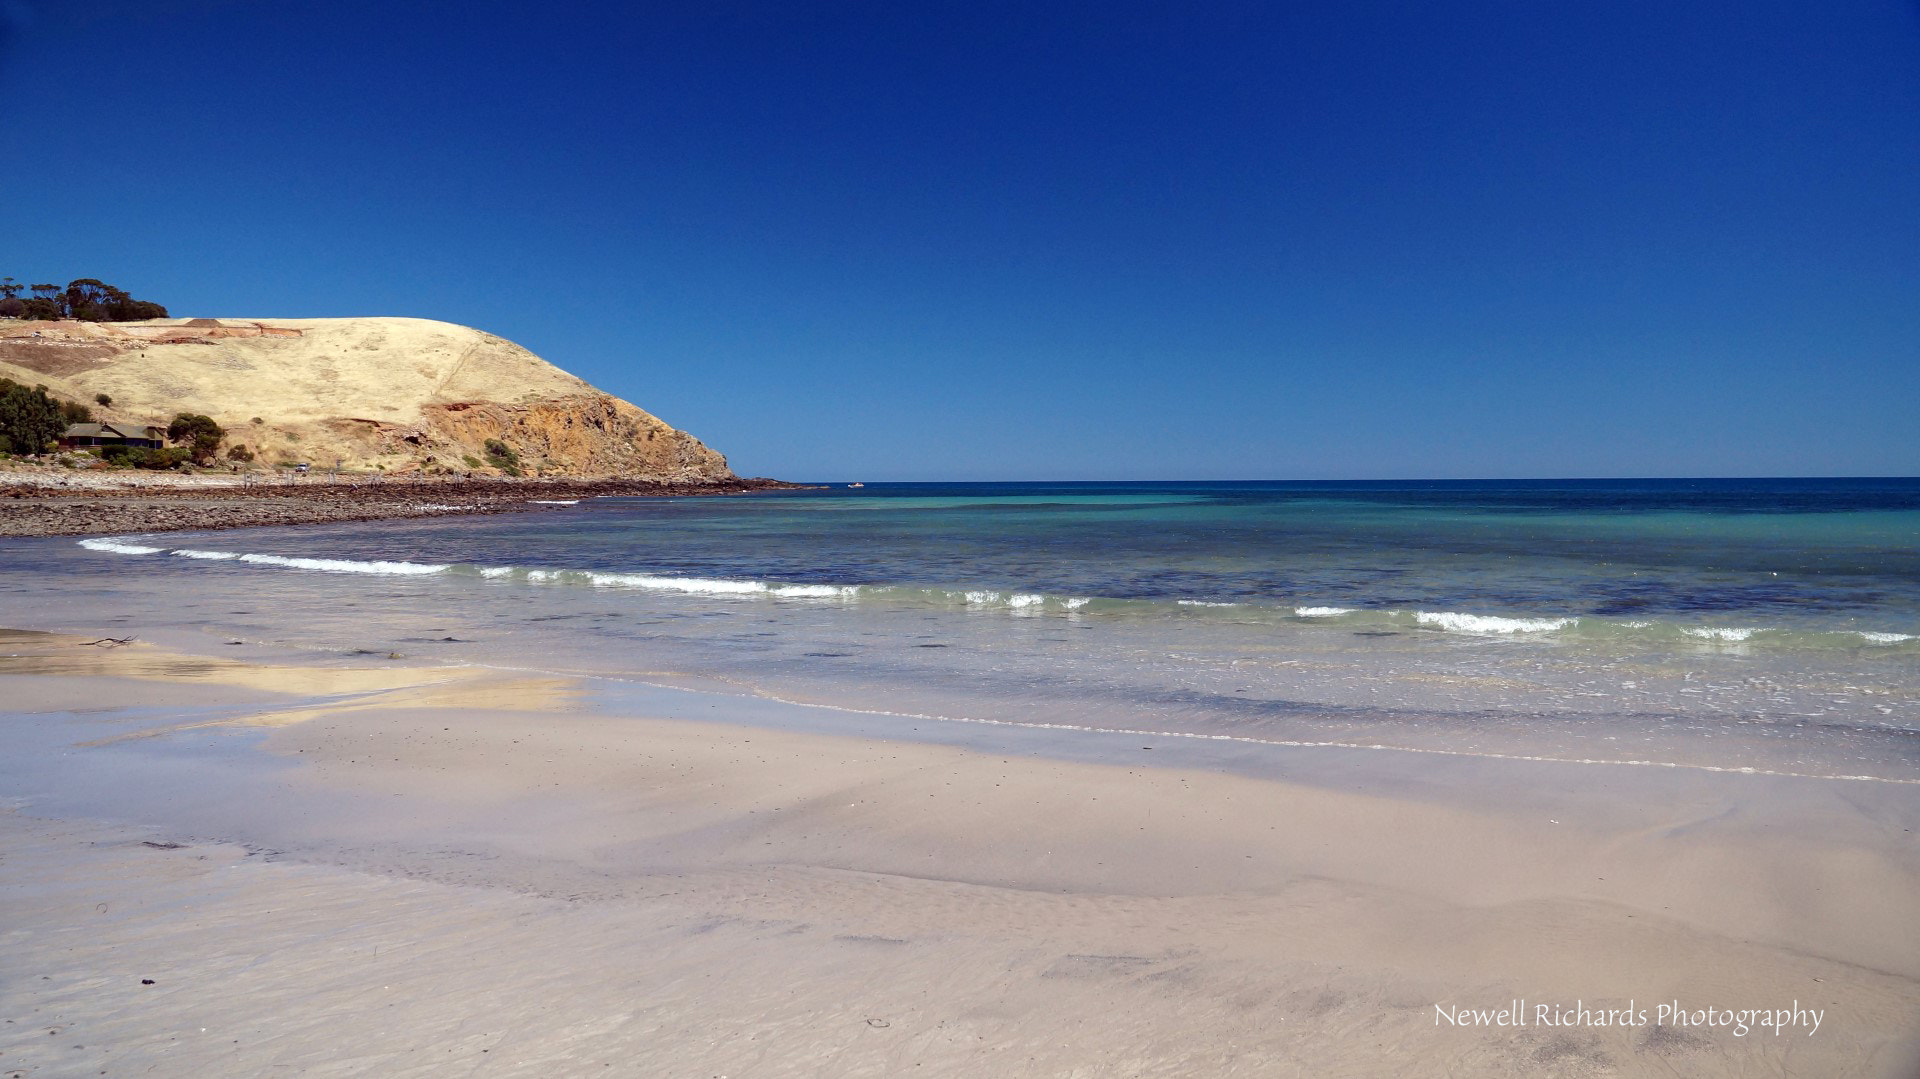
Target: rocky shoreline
[{"x": 40, "y": 510}]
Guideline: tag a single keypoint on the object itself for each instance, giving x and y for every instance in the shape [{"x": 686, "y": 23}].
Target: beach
[
  {"x": 1317, "y": 541},
  {"x": 733, "y": 787},
  {"x": 351, "y": 869}
]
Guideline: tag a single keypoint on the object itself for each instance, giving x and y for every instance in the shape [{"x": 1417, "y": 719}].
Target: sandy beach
[
  {"x": 1339, "y": 541},
  {"x": 397, "y": 869}
]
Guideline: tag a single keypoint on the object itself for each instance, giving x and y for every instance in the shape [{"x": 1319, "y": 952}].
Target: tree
[
  {"x": 199, "y": 432},
  {"x": 9, "y": 288},
  {"x": 44, "y": 304},
  {"x": 29, "y": 418},
  {"x": 85, "y": 298}
]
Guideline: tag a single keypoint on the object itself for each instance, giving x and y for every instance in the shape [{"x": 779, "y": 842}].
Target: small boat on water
[{"x": 856, "y": 485}]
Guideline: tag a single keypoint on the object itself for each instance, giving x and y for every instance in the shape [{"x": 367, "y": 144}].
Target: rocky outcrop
[{"x": 382, "y": 394}]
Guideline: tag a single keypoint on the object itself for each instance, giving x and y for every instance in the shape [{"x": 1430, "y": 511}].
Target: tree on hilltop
[{"x": 88, "y": 299}]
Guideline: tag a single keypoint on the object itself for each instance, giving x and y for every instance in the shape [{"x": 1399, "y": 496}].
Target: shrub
[
  {"x": 472, "y": 461},
  {"x": 104, "y": 400},
  {"x": 501, "y": 456},
  {"x": 173, "y": 457},
  {"x": 239, "y": 453}
]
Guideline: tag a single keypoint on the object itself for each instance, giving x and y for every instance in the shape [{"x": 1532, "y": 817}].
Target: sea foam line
[
  {"x": 1487, "y": 623},
  {"x": 118, "y": 546},
  {"x": 1023, "y": 603},
  {"x": 344, "y": 565},
  {"x": 1721, "y": 633}
]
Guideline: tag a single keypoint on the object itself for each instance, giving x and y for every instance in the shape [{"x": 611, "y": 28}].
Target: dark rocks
[{"x": 41, "y": 511}]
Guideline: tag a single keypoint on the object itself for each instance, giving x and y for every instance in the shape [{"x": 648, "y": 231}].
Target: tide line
[{"x": 760, "y": 694}]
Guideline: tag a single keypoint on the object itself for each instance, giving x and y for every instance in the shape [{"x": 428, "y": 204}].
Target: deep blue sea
[{"x": 1634, "y": 617}]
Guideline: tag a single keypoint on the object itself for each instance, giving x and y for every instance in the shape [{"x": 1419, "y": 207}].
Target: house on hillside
[{"x": 83, "y": 436}]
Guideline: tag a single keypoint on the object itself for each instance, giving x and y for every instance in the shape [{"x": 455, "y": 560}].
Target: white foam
[
  {"x": 815, "y": 591},
  {"x": 496, "y": 572},
  {"x": 115, "y": 546},
  {"x": 343, "y": 565},
  {"x": 437, "y": 507},
  {"x": 981, "y": 599},
  {"x": 1025, "y": 599},
  {"x": 1203, "y": 603},
  {"x": 1886, "y": 638},
  {"x": 1321, "y": 612},
  {"x": 1487, "y": 623},
  {"x": 553, "y": 502},
  {"x": 1721, "y": 633},
  {"x": 701, "y": 585},
  {"x": 1074, "y": 603},
  {"x": 209, "y": 556}
]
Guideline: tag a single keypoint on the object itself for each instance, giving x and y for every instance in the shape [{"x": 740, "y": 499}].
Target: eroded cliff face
[
  {"x": 589, "y": 434},
  {"x": 397, "y": 395}
]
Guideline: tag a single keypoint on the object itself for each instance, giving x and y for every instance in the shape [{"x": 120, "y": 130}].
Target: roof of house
[{"x": 111, "y": 430}]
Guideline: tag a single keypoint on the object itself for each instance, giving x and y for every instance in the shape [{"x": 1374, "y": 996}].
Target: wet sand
[{"x": 394, "y": 870}]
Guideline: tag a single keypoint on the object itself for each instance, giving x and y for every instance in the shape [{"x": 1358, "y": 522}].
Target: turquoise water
[{"x": 1780, "y": 617}]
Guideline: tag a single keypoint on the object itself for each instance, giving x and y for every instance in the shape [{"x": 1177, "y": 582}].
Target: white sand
[{"x": 479, "y": 878}]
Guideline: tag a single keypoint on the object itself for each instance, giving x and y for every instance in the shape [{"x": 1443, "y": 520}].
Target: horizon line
[{"x": 1399, "y": 479}]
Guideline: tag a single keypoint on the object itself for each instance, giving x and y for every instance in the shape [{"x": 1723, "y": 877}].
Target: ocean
[{"x": 1770, "y": 625}]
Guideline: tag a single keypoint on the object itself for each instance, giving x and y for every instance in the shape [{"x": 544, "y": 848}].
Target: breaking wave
[
  {"x": 344, "y": 565},
  {"x": 1721, "y": 633},
  {"x": 1463, "y": 625},
  {"x": 1488, "y": 623},
  {"x": 114, "y": 546}
]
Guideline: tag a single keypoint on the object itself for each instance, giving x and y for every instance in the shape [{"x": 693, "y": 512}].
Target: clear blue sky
[{"x": 1021, "y": 241}]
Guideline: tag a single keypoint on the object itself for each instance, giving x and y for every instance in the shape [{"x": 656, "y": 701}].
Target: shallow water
[{"x": 1772, "y": 625}]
